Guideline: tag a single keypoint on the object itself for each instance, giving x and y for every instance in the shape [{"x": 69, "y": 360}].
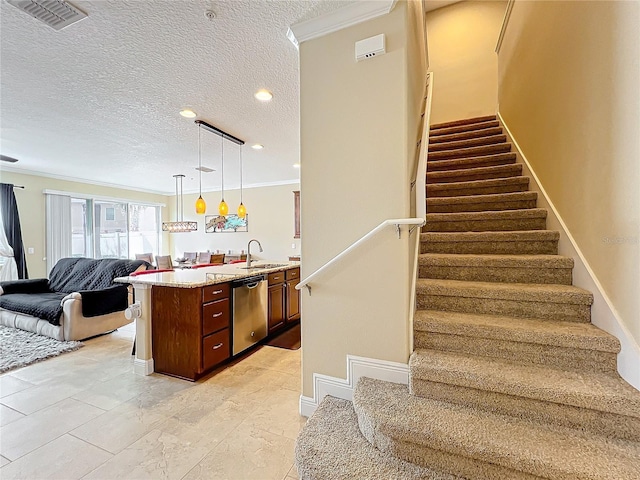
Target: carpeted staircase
[{"x": 509, "y": 379}]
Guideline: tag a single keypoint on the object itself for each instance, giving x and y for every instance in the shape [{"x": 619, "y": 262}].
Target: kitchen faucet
[{"x": 249, "y": 251}]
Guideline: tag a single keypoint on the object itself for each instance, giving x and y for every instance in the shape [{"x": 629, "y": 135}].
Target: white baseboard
[
  {"x": 343, "y": 388},
  {"x": 143, "y": 367},
  {"x": 603, "y": 314}
]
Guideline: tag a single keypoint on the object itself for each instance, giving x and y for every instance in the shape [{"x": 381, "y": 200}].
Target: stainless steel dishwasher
[{"x": 249, "y": 312}]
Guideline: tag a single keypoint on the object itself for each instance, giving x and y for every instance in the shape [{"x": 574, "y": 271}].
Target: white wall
[
  {"x": 569, "y": 92},
  {"x": 462, "y": 39},
  {"x": 270, "y": 219},
  {"x": 357, "y": 145}
]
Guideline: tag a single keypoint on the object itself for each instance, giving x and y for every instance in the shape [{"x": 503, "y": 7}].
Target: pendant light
[
  {"x": 223, "y": 208},
  {"x": 201, "y": 205},
  {"x": 242, "y": 211},
  {"x": 179, "y": 225}
]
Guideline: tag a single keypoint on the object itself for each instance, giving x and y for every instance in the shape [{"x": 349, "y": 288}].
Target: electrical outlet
[
  {"x": 293, "y": 245},
  {"x": 31, "y": 251}
]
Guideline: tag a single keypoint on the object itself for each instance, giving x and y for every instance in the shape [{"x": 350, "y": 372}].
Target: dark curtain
[{"x": 11, "y": 221}]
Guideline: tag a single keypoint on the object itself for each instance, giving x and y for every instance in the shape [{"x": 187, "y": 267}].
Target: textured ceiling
[{"x": 99, "y": 100}]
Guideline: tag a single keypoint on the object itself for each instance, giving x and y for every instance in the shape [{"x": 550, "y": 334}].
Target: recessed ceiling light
[
  {"x": 257, "y": 146},
  {"x": 263, "y": 95},
  {"x": 188, "y": 113},
  {"x": 296, "y": 165}
]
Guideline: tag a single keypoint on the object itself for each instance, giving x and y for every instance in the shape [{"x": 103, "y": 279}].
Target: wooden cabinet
[
  {"x": 190, "y": 329},
  {"x": 284, "y": 299},
  {"x": 292, "y": 278},
  {"x": 277, "y": 299}
]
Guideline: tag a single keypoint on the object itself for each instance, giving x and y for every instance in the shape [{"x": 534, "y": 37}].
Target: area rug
[
  {"x": 19, "y": 348},
  {"x": 289, "y": 339}
]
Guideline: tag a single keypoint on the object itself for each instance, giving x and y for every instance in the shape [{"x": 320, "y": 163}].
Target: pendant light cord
[
  {"x": 222, "y": 169},
  {"x": 178, "y": 219},
  {"x": 200, "y": 159},
  {"x": 241, "y": 174}
]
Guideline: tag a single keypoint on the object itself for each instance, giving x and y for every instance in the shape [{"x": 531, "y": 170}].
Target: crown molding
[
  {"x": 67, "y": 178},
  {"x": 353, "y": 14},
  {"x": 23, "y": 171}
]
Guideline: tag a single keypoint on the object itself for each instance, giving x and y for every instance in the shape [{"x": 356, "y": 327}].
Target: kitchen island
[{"x": 190, "y": 321}]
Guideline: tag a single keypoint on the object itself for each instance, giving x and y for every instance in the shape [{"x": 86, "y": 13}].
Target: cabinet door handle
[
  {"x": 216, "y": 292},
  {"x": 215, "y": 347},
  {"x": 216, "y": 315}
]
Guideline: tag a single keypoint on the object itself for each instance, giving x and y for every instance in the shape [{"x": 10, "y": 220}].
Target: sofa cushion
[
  {"x": 75, "y": 274},
  {"x": 42, "y": 305}
]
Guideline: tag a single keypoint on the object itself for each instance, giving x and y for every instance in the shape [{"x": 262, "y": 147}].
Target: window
[
  {"x": 80, "y": 235},
  {"x": 109, "y": 229},
  {"x": 144, "y": 225}
]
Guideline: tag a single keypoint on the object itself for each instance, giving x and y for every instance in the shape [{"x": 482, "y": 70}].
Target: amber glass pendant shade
[
  {"x": 223, "y": 208},
  {"x": 201, "y": 205},
  {"x": 242, "y": 211}
]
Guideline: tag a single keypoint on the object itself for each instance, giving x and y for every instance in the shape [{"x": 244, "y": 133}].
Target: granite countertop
[{"x": 200, "y": 277}]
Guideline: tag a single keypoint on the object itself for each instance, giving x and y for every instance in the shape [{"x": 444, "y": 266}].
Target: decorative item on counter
[
  {"x": 201, "y": 206},
  {"x": 179, "y": 225},
  {"x": 224, "y": 224}
]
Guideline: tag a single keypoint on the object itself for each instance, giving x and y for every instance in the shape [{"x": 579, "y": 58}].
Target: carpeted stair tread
[
  {"x": 529, "y": 219},
  {"x": 331, "y": 447},
  {"x": 469, "y": 152},
  {"x": 505, "y": 261},
  {"x": 497, "y": 268},
  {"x": 478, "y": 203},
  {"x": 594, "y": 391},
  {"x": 544, "y": 332},
  {"x": 462, "y": 122},
  {"x": 463, "y": 128},
  {"x": 472, "y": 162},
  {"x": 466, "y": 143},
  {"x": 477, "y": 173},
  {"x": 478, "y": 187},
  {"x": 531, "y": 292},
  {"x": 484, "y": 445},
  {"x": 510, "y": 242},
  {"x": 484, "y": 132}
]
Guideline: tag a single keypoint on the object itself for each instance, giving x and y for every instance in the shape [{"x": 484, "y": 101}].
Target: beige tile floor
[{"x": 86, "y": 415}]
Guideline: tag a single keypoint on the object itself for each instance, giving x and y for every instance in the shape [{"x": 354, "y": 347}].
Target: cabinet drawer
[
  {"x": 215, "y": 316},
  {"x": 215, "y": 292},
  {"x": 275, "y": 278},
  {"x": 215, "y": 348},
  {"x": 292, "y": 274}
]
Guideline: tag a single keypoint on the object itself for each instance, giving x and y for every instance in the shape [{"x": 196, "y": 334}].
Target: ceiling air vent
[{"x": 55, "y": 13}]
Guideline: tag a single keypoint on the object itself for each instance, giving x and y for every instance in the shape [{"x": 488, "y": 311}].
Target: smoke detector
[
  {"x": 55, "y": 13},
  {"x": 370, "y": 47}
]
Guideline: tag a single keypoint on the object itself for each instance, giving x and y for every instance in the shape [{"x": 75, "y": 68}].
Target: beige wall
[
  {"x": 355, "y": 155},
  {"x": 270, "y": 214},
  {"x": 569, "y": 92},
  {"x": 462, "y": 40},
  {"x": 31, "y": 203}
]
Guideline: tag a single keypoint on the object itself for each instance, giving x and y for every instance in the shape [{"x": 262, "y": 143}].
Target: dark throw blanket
[
  {"x": 75, "y": 274},
  {"x": 42, "y": 305},
  {"x": 93, "y": 279}
]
